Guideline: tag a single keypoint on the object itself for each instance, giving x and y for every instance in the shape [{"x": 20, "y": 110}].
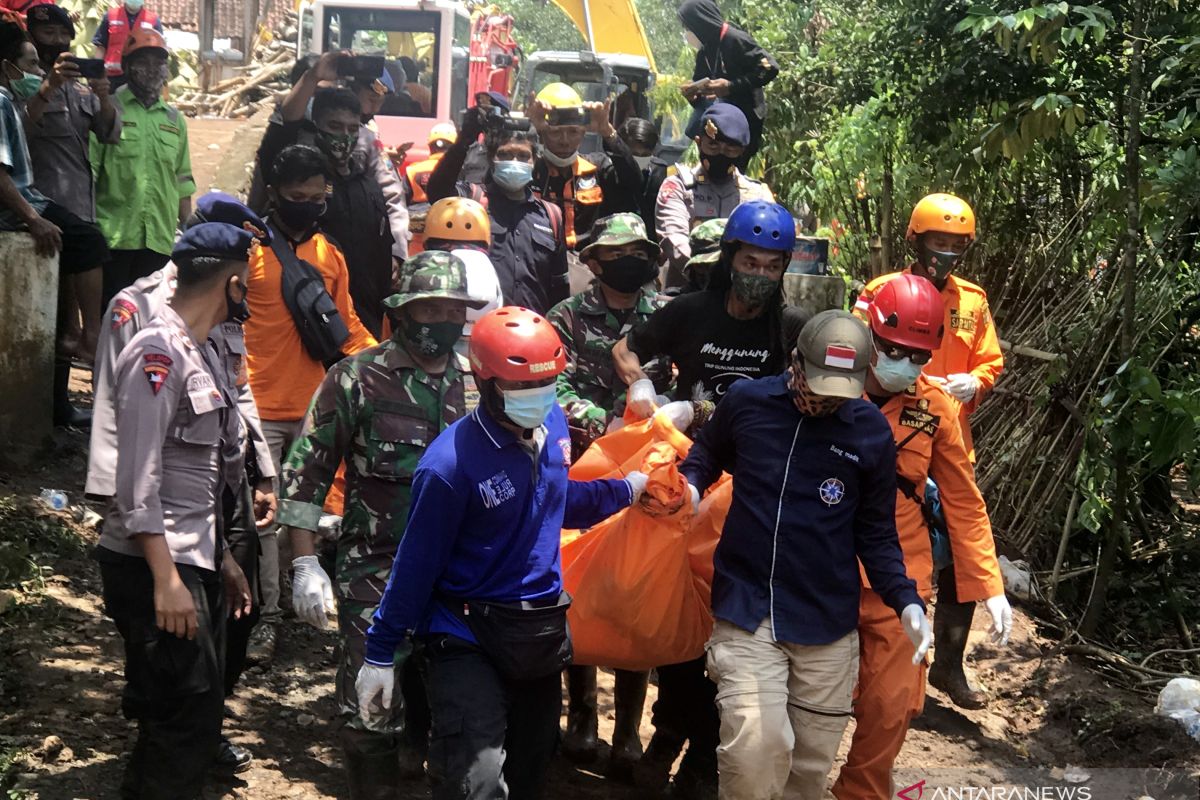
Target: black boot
[
  {"x": 65, "y": 414},
  {"x": 372, "y": 763},
  {"x": 951, "y": 626},
  {"x": 653, "y": 772},
  {"x": 629, "y": 699},
  {"x": 581, "y": 740}
]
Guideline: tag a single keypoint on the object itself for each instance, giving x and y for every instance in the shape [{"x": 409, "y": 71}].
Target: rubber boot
[
  {"x": 372, "y": 763},
  {"x": 951, "y": 626},
  {"x": 65, "y": 414},
  {"x": 629, "y": 699},
  {"x": 653, "y": 772},
  {"x": 581, "y": 741}
]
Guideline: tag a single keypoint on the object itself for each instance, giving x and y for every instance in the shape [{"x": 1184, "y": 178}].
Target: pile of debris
[{"x": 262, "y": 82}]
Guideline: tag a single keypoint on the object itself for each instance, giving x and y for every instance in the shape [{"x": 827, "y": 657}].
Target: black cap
[{"x": 49, "y": 14}]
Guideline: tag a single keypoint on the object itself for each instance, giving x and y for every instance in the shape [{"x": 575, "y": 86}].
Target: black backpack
[{"x": 322, "y": 331}]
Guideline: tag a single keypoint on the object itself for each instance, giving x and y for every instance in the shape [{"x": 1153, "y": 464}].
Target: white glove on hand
[
  {"x": 695, "y": 495},
  {"x": 372, "y": 682},
  {"x": 637, "y": 485},
  {"x": 963, "y": 385},
  {"x": 1002, "y": 618},
  {"x": 916, "y": 626},
  {"x": 312, "y": 591},
  {"x": 679, "y": 413},
  {"x": 641, "y": 397}
]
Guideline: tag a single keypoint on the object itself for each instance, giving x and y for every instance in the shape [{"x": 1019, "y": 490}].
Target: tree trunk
[{"x": 1115, "y": 532}]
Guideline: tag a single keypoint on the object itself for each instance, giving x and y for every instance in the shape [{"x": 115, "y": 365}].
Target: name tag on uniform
[{"x": 203, "y": 394}]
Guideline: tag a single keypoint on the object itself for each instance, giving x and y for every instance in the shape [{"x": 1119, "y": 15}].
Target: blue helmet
[{"x": 763, "y": 224}]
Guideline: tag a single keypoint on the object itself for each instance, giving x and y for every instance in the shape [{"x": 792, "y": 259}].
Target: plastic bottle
[{"x": 55, "y": 499}]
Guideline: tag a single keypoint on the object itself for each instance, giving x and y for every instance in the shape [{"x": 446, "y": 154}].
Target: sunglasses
[{"x": 896, "y": 352}]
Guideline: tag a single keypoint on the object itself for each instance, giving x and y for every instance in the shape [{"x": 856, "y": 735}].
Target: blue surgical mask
[
  {"x": 512, "y": 176},
  {"x": 529, "y": 407},
  {"x": 895, "y": 375}
]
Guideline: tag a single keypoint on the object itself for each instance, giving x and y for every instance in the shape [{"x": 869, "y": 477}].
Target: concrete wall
[{"x": 28, "y": 305}]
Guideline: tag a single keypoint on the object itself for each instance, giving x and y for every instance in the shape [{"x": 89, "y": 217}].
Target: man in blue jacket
[
  {"x": 814, "y": 494},
  {"x": 478, "y": 576}
]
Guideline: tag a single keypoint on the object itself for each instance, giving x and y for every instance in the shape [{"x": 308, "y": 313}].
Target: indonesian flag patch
[
  {"x": 157, "y": 367},
  {"x": 840, "y": 357}
]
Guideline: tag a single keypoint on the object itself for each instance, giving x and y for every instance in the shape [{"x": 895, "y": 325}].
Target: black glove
[{"x": 473, "y": 125}]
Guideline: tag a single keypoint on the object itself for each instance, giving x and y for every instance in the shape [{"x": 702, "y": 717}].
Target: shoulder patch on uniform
[
  {"x": 157, "y": 367},
  {"x": 123, "y": 310}
]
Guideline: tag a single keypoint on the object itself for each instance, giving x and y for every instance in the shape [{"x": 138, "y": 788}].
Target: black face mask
[
  {"x": 718, "y": 167},
  {"x": 298, "y": 215},
  {"x": 49, "y": 53},
  {"x": 626, "y": 274},
  {"x": 236, "y": 310}
]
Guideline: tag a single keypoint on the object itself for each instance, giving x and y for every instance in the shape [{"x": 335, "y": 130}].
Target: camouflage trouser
[{"x": 408, "y": 718}]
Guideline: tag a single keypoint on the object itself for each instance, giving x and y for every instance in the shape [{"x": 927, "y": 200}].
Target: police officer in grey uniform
[
  {"x": 166, "y": 573},
  {"x": 690, "y": 195}
]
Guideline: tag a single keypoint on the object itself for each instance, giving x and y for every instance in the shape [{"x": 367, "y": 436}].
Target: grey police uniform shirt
[
  {"x": 172, "y": 418},
  {"x": 686, "y": 198},
  {"x": 128, "y": 313}
]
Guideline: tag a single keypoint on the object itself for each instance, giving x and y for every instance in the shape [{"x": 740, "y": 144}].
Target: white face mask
[
  {"x": 692, "y": 40},
  {"x": 643, "y": 162},
  {"x": 895, "y": 375},
  {"x": 559, "y": 161}
]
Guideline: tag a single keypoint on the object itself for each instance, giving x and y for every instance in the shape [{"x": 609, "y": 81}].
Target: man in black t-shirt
[{"x": 734, "y": 329}]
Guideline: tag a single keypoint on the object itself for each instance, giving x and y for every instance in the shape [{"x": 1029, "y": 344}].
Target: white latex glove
[
  {"x": 1002, "y": 618},
  {"x": 312, "y": 591},
  {"x": 373, "y": 682},
  {"x": 637, "y": 484},
  {"x": 679, "y": 413},
  {"x": 963, "y": 385},
  {"x": 641, "y": 398},
  {"x": 695, "y": 495},
  {"x": 916, "y": 627}
]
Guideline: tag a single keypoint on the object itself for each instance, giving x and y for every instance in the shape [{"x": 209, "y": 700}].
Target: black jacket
[{"x": 732, "y": 55}]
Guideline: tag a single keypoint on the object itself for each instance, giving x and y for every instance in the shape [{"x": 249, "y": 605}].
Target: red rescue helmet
[
  {"x": 515, "y": 344},
  {"x": 908, "y": 311}
]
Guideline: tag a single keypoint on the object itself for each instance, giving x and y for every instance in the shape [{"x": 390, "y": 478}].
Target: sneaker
[
  {"x": 261, "y": 647},
  {"x": 232, "y": 759}
]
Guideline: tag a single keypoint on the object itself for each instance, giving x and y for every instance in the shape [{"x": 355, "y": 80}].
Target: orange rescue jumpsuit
[
  {"x": 970, "y": 343},
  {"x": 891, "y": 690}
]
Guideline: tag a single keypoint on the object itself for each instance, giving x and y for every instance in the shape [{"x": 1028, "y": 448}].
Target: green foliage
[
  {"x": 31, "y": 538},
  {"x": 541, "y": 25}
]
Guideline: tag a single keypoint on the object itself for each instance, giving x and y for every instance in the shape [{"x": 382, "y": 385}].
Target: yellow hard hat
[
  {"x": 559, "y": 95},
  {"x": 443, "y": 132},
  {"x": 944, "y": 213},
  {"x": 458, "y": 219}
]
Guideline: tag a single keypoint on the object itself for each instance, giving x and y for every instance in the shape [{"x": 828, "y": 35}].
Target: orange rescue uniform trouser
[{"x": 891, "y": 691}]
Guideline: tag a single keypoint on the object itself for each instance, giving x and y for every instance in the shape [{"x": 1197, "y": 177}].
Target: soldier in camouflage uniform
[
  {"x": 377, "y": 411},
  {"x": 705, "y": 240},
  {"x": 623, "y": 296}
]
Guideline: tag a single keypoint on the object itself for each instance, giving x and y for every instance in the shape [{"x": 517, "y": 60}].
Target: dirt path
[{"x": 60, "y": 676}]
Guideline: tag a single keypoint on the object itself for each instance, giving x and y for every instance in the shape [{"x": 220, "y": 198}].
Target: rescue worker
[
  {"x": 730, "y": 66},
  {"x": 588, "y": 188},
  {"x": 967, "y": 365},
  {"x": 283, "y": 373},
  {"x": 128, "y": 313},
  {"x": 477, "y": 577},
  {"x": 906, "y": 328},
  {"x": 416, "y": 179},
  {"x": 59, "y": 119},
  {"x": 168, "y": 580},
  {"x": 623, "y": 259},
  {"x": 366, "y": 214},
  {"x": 377, "y": 412},
  {"x": 733, "y": 330},
  {"x": 528, "y": 248},
  {"x": 784, "y": 649},
  {"x": 144, "y": 181},
  {"x": 461, "y": 226},
  {"x": 688, "y": 197},
  {"x": 113, "y": 33}
]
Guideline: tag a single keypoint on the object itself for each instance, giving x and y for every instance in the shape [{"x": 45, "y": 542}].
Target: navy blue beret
[
  {"x": 221, "y": 207},
  {"x": 726, "y": 121},
  {"x": 214, "y": 240}
]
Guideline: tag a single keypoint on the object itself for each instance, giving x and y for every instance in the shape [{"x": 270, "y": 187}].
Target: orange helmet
[
  {"x": 941, "y": 212},
  {"x": 515, "y": 344},
  {"x": 457, "y": 219},
  {"x": 144, "y": 37}
]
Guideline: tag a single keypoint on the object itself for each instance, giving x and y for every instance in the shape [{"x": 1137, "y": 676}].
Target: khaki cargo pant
[{"x": 783, "y": 709}]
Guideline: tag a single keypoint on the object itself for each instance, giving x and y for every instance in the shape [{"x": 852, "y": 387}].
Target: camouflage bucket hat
[
  {"x": 705, "y": 239},
  {"x": 431, "y": 274},
  {"x": 618, "y": 229}
]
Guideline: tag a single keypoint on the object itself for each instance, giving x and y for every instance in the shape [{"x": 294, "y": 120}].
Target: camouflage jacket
[
  {"x": 589, "y": 390},
  {"x": 377, "y": 412}
]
